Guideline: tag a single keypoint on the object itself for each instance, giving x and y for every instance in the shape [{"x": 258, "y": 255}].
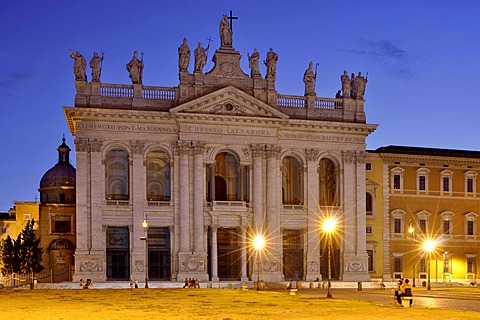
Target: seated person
[
  {"x": 399, "y": 287},
  {"x": 405, "y": 291}
]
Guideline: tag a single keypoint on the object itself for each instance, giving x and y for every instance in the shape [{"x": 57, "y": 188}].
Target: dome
[
  {"x": 59, "y": 176},
  {"x": 63, "y": 173}
]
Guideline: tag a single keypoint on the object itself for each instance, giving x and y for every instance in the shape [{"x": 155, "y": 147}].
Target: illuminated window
[
  {"x": 397, "y": 221},
  {"x": 471, "y": 264},
  {"x": 470, "y": 224},
  {"x": 470, "y": 183},
  {"x": 447, "y": 222},
  {"x": 397, "y": 264}
]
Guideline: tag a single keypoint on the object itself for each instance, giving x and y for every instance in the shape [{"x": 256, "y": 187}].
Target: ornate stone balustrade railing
[
  {"x": 116, "y": 90},
  {"x": 291, "y": 101},
  {"x": 158, "y": 93},
  {"x": 328, "y": 103}
]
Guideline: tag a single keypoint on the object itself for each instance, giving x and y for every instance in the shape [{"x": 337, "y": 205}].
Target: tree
[
  {"x": 23, "y": 255},
  {"x": 9, "y": 256},
  {"x": 30, "y": 253}
]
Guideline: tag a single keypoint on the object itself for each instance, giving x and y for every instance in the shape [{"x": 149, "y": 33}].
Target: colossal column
[
  {"x": 313, "y": 241},
  {"x": 258, "y": 152}
]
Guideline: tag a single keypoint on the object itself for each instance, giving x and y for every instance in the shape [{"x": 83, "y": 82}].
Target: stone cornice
[{"x": 429, "y": 161}]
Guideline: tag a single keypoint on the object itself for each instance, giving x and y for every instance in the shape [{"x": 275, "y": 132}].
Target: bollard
[
  {"x": 229, "y": 286},
  {"x": 359, "y": 286},
  {"x": 311, "y": 285}
]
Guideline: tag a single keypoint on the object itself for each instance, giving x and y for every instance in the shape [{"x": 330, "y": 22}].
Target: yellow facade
[
  {"x": 19, "y": 215},
  {"x": 430, "y": 194}
]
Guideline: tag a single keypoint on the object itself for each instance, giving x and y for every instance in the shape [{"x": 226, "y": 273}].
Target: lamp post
[
  {"x": 429, "y": 246},
  {"x": 145, "y": 238},
  {"x": 411, "y": 230},
  {"x": 328, "y": 229},
  {"x": 258, "y": 244}
]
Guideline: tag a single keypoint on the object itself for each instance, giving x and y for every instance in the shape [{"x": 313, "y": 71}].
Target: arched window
[
  {"x": 227, "y": 182},
  {"x": 116, "y": 175},
  {"x": 158, "y": 176},
  {"x": 328, "y": 183},
  {"x": 292, "y": 181}
]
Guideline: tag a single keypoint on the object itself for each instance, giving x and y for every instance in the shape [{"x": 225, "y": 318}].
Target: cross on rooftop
[{"x": 231, "y": 18}]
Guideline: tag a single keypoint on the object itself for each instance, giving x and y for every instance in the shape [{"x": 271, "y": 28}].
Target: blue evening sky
[{"x": 422, "y": 59}]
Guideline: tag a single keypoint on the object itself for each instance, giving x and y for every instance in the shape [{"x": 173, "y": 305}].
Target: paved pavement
[{"x": 437, "y": 298}]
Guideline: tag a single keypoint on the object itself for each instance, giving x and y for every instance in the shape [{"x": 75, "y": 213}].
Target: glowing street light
[
  {"x": 258, "y": 244},
  {"x": 145, "y": 238},
  {"x": 328, "y": 228},
  {"x": 429, "y": 246}
]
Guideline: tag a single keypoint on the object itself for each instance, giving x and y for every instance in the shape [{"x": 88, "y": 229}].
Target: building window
[
  {"x": 62, "y": 197},
  {"x": 422, "y": 266},
  {"x": 369, "y": 229},
  {"x": 397, "y": 264},
  {"x": 158, "y": 176},
  {"x": 292, "y": 181},
  {"x": 370, "y": 260},
  {"x": 470, "y": 183},
  {"x": 368, "y": 166},
  {"x": 368, "y": 204},
  {"x": 3, "y": 230},
  {"x": 117, "y": 175},
  {"x": 422, "y": 179},
  {"x": 27, "y": 216},
  {"x": 328, "y": 184},
  {"x": 447, "y": 222},
  {"x": 470, "y": 224},
  {"x": 397, "y": 222},
  {"x": 396, "y": 182},
  {"x": 471, "y": 265},
  {"x": 447, "y": 267},
  {"x": 422, "y": 224},
  {"x": 446, "y": 182},
  {"x": 61, "y": 224},
  {"x": 396, "y": 176}
]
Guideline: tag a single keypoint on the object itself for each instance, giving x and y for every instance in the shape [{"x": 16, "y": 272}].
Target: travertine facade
[{"x": 210, "y": 163}]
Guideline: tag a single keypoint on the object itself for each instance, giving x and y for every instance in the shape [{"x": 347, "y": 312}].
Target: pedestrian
[
  {"x": 186, "y": 283},
  {"x": 405, "y": 291}
]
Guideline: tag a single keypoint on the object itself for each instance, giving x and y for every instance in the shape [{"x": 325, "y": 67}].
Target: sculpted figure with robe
[
  {"x": 225, "y": 32},
  {"x": 346, "y": 85},
  {"x": 79, "y": 66},
  {"x": 135, "y": 69},
  {"x": 271, "y": 63},
  {"x": 309, "y": 80},
  {"x": 96, "y": 65},
  {"x": 253, "y": 61},
  {"x": 183, "y": 56},
  {"x": 200, "y": 57}
]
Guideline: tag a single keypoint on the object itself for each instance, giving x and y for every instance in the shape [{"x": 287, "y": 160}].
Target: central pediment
[{"x": 229, "y": 101}]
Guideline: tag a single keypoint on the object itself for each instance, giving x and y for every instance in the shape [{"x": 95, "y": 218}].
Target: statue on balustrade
[
  {"x": 225, "y": 33},
  {"x": 309, "y": 80},
  {"x": 200, "y": 57},
  {"x": 135, "y": 69},
  {"x": 359, "y": 86},
  {"x": 183, "y": 56},
  {"x": 79, "y": 66},
  {"x": 96, "y": 65},
  {"x": 346, "y": 85},
  {"x": 271, "y": 63},
  {"x": 352, "y": 86},
  {"x": 253, "y": 61}
]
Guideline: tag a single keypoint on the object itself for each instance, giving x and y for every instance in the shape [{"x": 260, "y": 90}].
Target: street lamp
[
  {"x": 429, "y": 246},
  {"x": 328, "y": 228},
  {"x": 258, "y": 244},
  {"x": 145, "y": 238},
  {"x": 411, "y": 230}
]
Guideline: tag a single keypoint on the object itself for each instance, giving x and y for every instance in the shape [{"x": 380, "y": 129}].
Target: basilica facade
[{"x": 175, "y": 182}]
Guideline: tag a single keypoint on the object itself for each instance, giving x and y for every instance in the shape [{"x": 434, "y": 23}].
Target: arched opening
[
  {"x": 224, "y": 179},
  {"x": 158, "y": 176},
  {"x": 116, "y": 175},
  {"x": 328, "y": 183},
  {"x": 292, "y": 181}
]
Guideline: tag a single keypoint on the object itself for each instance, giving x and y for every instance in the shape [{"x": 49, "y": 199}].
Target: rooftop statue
[
  {"x": 225, "y": 33},
  {"x": 183, "y": 56},
  {"x": 96, "y": 65},
  {"x": 135, "y": 69},
  {"x": 309, "y": 80},
  {"x": 360, "y": 83},
  {"x": 271, "y": 63},
  {"x": 200, "y": 57},
  {"x": 79, "y": 66},
  {"x": 346, "y": 85},
  {"x": 253, "y": 61}
]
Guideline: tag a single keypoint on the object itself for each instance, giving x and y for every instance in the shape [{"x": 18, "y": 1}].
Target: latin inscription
[
  {"x": 124, "y": 127},
  {"x": 316, "y": 137},
  {"x": 232, "y": 131}
]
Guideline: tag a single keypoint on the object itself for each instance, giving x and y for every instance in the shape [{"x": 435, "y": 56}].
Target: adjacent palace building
[{"x": 176, "y": 182}]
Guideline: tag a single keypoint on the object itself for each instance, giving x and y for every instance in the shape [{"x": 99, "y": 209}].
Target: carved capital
[
  {"x": 198, "y": 147},
  {"x": 258, "y": 150},
  {"x": 312, "y": 154},
  {"x": 96, "y": 145},
  {"x": 272, "y": 151},
  {"x": 183, "y": 147},
  {"x": 81, "y": 145},
  {"x": 137, "y": 146},
  {"x": 349, "y": 156},
  {"x": 361, "y": 157}
]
